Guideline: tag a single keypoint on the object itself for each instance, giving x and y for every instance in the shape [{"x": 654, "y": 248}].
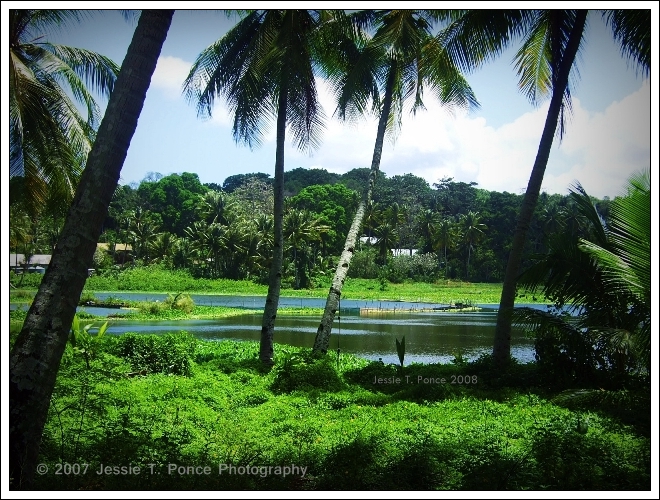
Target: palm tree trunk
[
  {"x": 322, "y": 341},
  {"x": 275, "y": 276},
  {"x": 502, "y": 342},
  {"x": 467, "y": 269},
  {"x": 35, "y": 358}
]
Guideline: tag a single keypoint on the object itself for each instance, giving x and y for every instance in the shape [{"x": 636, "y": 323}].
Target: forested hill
[{"x": 456, "y": 229}]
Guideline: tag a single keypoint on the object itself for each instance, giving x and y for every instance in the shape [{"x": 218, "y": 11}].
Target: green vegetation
[
  {"x": 157, "y": 279},
  {"x": 171, "y": 399},
  {"x": 460, "y": 232},
  {"x": 166, "y": 407}
]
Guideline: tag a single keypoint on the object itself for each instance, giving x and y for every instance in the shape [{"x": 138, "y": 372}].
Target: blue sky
[{"x": 607, "y": 139}]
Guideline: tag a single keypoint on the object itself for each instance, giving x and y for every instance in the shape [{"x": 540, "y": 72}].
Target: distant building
[
  {"x": 38, "y": 263},
  {"x": 123, "y": 252},
  {"x": 403, "y": 251},
  {"x": 372, "y": 240}
]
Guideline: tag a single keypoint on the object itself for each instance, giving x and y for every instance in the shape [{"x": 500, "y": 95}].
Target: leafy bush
[
  {"x": 102, "y": 259},
  {"x": 568, "y": 354},
  {"x": 86, "y": 297},
  {"x": 17, "y": 295},
  {"x": 363, "y": 264},
  {"x": 574, "y": 458},
  {"x": 303, "y": 372},
  {"x": 353, "y": 465},
  {"x": 180, "y": 302},
  {"x": 417, "y": 267},
  {"x": 170, "y": 353},
  {"x": 83, "y": 342},
  {"x": 18, "y": 314},
  {"x": 354, "y": 438},
  {"x": 364, "y": 375},
  {"x": 29, "y": 280},
  {"x": 157, "y": 278}
]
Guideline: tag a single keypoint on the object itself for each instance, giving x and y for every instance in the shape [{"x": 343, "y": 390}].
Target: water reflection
[{"x": 430, "y": 337}]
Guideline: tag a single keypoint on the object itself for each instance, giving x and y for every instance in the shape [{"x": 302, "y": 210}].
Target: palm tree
[
  {"x": 387, "y": 237},
  {"x": 234, "y": 249},
  {"x": 214, "y": 206},
  {"x": 161, "y": 247},
  {"x": 208, "y": 242},
  {"x": 395, "y": 215},
  {"x": 183, "y": 253},
  {"x": 551, "y": 220},
  {"x": 141, "y": 231},
  {"x": 264, "y": 230},
  {"x": 605, "y": 279},
  {"x": 387, "y": 71},
  {"x": 551, "y": 42},
  {"x": 19, "y": 228},
  {"x": 427, "y": 222},
  {"x": 443, "y": 238},
  {"x": 300, "y": 229},
  {"x": 264, "y": 67},
  {"x": 626, "y": 266},
  {"x": 36, "y": 355},
  {"x": 473, "y": 231},
  {"x": 49, "y": 139},
  {"x": 372, "y": 215}
]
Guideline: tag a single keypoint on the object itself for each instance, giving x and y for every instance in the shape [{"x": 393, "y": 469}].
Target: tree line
[{"x": 454, "y": 229}]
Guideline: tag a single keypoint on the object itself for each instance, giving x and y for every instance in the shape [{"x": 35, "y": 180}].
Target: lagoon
[{"x": 431, "y": 337}]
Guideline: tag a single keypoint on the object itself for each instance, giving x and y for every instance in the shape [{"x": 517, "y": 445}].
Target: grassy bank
[
  {"x": 155, "y": 279},
  {"x": 165, "y": 402}
]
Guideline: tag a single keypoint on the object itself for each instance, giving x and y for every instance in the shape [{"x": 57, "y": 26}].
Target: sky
[{"x": 608, "y": 135}]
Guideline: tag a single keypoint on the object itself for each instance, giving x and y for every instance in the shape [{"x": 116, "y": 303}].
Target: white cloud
[
  {"x": 600, "y": 150},
  {"x": 606, "y": 148},
  {"x": 169, "y": 75}
]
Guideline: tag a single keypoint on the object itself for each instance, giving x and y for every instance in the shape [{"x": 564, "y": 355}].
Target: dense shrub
[
  {"x": 303, "y": 372},
  {"x": 29, "y": 280},
  {"x": 363, "y": 264},
  {"x": 357, "y": 437},
  {"x": 170, "y": 353},
  {"x": 417, "y": 267}
]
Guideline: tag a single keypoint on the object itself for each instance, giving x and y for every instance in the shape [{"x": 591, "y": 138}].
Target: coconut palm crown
[{"x": 49, "y": 138}]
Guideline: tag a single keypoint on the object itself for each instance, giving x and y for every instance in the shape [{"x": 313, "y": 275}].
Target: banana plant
[{"x": 83, "y": 342}]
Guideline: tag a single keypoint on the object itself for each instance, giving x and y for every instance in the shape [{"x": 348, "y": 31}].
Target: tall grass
[{"x": 155, "y": 279}]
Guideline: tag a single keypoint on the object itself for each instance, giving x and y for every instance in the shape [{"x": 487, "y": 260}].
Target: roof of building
[
  {"x": 18, "y": 259},
  {"x": 119, "y": 247}
]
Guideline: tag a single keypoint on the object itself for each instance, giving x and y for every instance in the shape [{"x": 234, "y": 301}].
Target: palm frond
[
  {"x": 632, "y": 30},
  {"x": 536, "y": 320},
  {"x": 444, "y": 79},
  {"x": 98, "y": 72},
  {"x": 49, "y": 139},
  {"x": 474, "y": 37},
  {"x": 266, "y": 53},
  {"x": 587, "y": 209},
  {"x": 533, "y": 62}
]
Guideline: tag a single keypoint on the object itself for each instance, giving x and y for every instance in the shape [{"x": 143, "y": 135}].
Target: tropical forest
[{"x": 306, "y": 330}]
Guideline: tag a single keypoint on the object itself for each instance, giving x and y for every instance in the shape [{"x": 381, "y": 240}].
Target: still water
[{"x": 430, "y": 337}]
